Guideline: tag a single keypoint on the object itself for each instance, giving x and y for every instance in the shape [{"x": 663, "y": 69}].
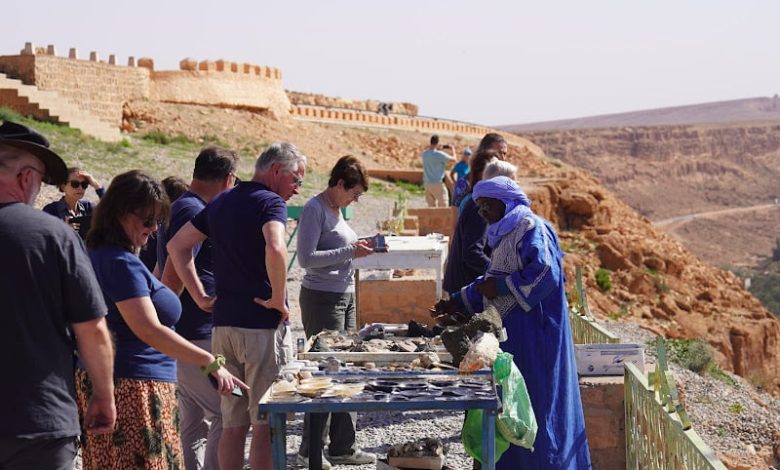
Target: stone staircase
[{"x": 59, "y": 109}]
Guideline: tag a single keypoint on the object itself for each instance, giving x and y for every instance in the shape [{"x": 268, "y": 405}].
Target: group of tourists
[{"x": 158, "y": 357}]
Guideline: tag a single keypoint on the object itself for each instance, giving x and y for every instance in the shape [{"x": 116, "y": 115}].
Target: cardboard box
[{"x": 608, "y": 359}]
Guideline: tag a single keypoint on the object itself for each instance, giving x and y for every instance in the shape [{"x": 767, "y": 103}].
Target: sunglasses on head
[
  {"x": 76, "y": 183},
  {"x": 150, "y": 221}
]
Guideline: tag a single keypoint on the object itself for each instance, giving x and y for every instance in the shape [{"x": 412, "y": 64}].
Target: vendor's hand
[
  {"x": 275, "y": 304},
  {"x": 488, "y": 288},
  {"x": 100, "y": 416},
  {"x": 227, "y": 381},
  {"x": 444, "y": 307},
  {"x": 363, "y": 248},
  {"x": 205, "y": 302},
  {"x": 446, "y": 313},
  {"x": 75, "y": 226}
]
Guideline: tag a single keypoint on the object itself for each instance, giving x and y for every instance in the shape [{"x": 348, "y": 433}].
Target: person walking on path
[
  {"x": 53, "y": 303},
  {"x": 246, "y": 226}
]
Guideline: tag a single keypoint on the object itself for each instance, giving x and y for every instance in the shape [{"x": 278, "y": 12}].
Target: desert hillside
[
  {"x": 677, "y": 171},
  {"x": 654, "y": 280},
  {"x": 749, "y": 109}
]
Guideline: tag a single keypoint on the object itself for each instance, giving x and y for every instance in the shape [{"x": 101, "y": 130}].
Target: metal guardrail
[
  {"x": 584, "y": 328},
  {"x": 658, "y": 431}
]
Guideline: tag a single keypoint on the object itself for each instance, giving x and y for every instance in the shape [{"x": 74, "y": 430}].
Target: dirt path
[{"x": 673, "y": 223}]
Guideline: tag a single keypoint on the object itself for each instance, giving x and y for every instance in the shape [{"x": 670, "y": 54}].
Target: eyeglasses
[
  {"x": 356, "y": 195},
  {"x": 236, "y": 179},
  {"x": 297, "y": 180},
  {"x": 148, "y": 222},
  {"x": 76, "y": 183}
]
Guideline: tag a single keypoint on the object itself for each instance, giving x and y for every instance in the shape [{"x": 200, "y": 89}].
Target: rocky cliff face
[
  {"x": 667, "y": 171},
  {"x": 655, "y": 281}
]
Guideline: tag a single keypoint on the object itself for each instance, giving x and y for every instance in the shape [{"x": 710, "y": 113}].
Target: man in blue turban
[{"x": 525, "y": 282}]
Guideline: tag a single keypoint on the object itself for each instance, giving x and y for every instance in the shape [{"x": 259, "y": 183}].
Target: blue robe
[{"x": 533, "y": 301}]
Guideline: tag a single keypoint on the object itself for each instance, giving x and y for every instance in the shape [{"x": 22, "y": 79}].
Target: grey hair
[
  {"x": 499, "y": 168},
  {"x": 283, "y": 153},
  {"x": 9, "y": 155}
]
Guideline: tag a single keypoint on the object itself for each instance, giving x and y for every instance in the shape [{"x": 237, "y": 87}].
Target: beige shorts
[
  {"x": 254, "y": 356},
  {"x": 436, "y": 195}
]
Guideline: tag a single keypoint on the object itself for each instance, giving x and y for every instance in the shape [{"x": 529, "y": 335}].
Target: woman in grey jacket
[{"x": 326, "y": 248}]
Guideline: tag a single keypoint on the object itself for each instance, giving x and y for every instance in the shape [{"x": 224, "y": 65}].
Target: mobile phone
[
  {"x": 84, "y": 221},
  {"x": 236, "y": 392},
  {"x": 378, "y": 243}
]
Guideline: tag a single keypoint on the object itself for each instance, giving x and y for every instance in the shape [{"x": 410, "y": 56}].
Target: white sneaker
[
  {"x": 304, "y": 461},
  {"x": 357, "y": 458}
]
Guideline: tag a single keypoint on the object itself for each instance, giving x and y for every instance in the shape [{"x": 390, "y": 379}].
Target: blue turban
[{"x": 518, "y": 206}]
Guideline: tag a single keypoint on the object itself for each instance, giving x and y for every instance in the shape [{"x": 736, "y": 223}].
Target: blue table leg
[
  {"x": 278, "y": 423},
  {"x": 489, "y": 439}
]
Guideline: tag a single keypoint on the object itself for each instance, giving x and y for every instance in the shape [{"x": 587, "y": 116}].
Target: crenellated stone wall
[
  {"x": 312, "y": 99},
  {"x": 102, "y": 87},
  {"x": 224, "y": 84},
  {"x": 94, "y": 86},
  {"x": 366, "y": 118}
]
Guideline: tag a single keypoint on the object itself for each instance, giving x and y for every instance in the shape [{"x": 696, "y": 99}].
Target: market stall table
[
  {"x": 428, "y": 252},
  {"x": 485, "y": 398}
]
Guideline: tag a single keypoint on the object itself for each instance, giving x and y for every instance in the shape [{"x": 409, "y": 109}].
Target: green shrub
[
  {"x": 693, "y": 354},
  {"x": 8, "y": 114},
  {"x": 736, "y": 408},
  {"x": 159, "y": 137},
  {"x": 410, "y": 187},
  {"x": 718, "y": 373},
  {"x": 766, "y": 287},
  {"x": 620, "y": 313},
  {"x": 603, "y": 279}
]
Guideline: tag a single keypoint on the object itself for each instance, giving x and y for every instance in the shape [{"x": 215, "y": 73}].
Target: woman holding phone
[
  {"x": 141, "y": 314},
  {"x": 73, "y": 205},
  {"x": 326, "y": 248}
]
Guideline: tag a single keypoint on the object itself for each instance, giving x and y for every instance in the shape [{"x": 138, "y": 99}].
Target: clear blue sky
[{"x": 490, "y": 62}]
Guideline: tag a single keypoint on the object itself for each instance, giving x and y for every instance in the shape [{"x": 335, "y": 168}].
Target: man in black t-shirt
[{"x": 49, "y": 294}]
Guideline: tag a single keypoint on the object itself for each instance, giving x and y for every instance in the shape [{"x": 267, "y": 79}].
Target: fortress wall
[
  {"x": 317, "y": 113},
  {"x": 224, "y": 84},
  {"x": 311, "y": 99},
  {"x": 97, "y": 87}
]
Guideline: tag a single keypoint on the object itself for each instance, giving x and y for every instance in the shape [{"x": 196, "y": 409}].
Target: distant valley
[{"x": 667, "y": 169}]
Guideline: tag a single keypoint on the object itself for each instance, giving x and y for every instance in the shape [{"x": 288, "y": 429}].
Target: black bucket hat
[{"x": 27, "y": 139}]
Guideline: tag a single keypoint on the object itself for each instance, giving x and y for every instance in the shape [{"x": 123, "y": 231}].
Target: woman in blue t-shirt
[{"x": 141, "y": 314}]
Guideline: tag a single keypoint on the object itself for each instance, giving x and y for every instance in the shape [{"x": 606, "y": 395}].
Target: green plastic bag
[
  {"x": 516, "y": 423},
  {"x": 471, "y": 435}
]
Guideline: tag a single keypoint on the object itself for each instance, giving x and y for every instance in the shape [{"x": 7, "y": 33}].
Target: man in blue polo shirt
[
  {"x": 246, "y": 226},
  {"x": 200, "y": 418}
]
